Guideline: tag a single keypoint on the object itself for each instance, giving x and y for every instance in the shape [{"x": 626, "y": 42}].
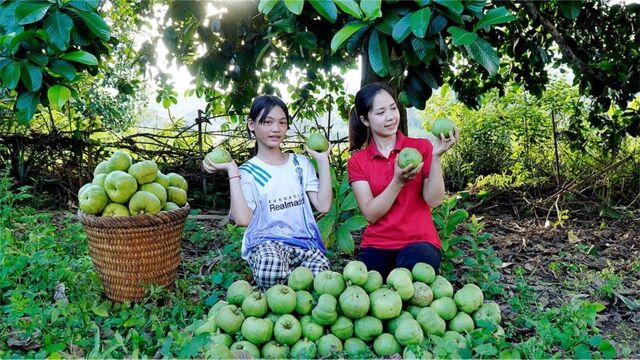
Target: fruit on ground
[
  {"x": 255, "y": 305},
  {"x": 367, "y": 328},
  {"x": 445, "y": 308},
  {"x": 469, "y": 298},
  {"x": 287, "y": 330},
  {"x": 273, "y": 350},
  {"x": 238, "y": 291},
  {"x": 301, "y": 278},
  {"x": 422, "y": 294},
  {"x": 441, "y": 287},
  {"x": 144, "y": 171},
  {"x": 329, "y": 282},
  {"x": 374, "y": 281},
  {"x": 317, "y": 142},
  {"x": 431, "y": 322},
  {"x": 489, "y": 311},
  {"x": 244, "y": 346},
  {"x": 304, "y": 302},
  {"x": 281, "y": 299},
  {"x": 354, "y": 302},
  {"x": 93, "y": 200},
  {"x": 356, "y": 272},
  {"x": 461, "y": 323},
  {"x": 409, "y": 157},
  {"x": 257, "y": 331},
  {"x": 329, "y": 345},
  {"x": 229, "y": 319},
  {"x": 303, "y": 349},
  {"x": 423, "y": 272},
  {"x": 385, "y": 303},
  {"x": 409, "y": 332},
  {"x": 386, "y": 345},
  {"x": 120, "y": 186}
]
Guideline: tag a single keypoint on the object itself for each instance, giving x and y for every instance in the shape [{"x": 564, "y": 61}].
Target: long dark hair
[
  {"x": 358, "y": 132},
  {"x": 263, "y": 104}
]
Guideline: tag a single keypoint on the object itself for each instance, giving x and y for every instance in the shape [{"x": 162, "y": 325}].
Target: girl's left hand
[
  {"x": 318, "y": 156},
  {"x": 443, "y": 144}
]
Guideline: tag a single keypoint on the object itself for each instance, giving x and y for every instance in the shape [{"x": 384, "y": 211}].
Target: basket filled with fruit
[{"x": 134, "y": 217}]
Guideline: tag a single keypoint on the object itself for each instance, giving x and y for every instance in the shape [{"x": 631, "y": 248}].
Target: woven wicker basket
[{"x": 130, "y": 252}]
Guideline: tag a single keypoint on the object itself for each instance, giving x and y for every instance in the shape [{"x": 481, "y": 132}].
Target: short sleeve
[
  {"x": 427, "y": 157},
  {"x": 311, "y": 177},
  {"x": 248, "y": 185},
  {"x": 354, "y": 169}
]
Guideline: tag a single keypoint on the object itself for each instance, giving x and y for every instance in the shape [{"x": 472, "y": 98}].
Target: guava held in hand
[
  {"x": 442, "y": 126},
  {"x": 317, "y": 142},
  {"x": 219, "y": 155},
  {"x": 409, "y": 156}
]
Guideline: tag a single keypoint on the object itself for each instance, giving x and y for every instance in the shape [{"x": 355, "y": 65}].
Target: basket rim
[{"x": 158, "y": 218}]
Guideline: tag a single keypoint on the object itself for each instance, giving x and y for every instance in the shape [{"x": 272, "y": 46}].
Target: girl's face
[
  {"x": 272, "y": 131},
  {"x": 384, "y": 117}
]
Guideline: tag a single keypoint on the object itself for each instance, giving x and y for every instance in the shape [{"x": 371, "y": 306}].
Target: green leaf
[
  {"x": 402, "y": 29},
  {"x": 85, "y": 5},
  {"x": 482, "y": 52},
  {"x": 419, "y": 22},
  {"x": 387, "y": 23},
  {"x": 371, "y": 8},
  {"x": 325, "y": 225},
  {"x": 30, "y": 12},
  {"x": 64, "y": 68},
  {"x": 265, "y": 6},
  {"x": 306, "y": 38},
  {"x": 608, "y": 350},
  {"x": 11, "y": 75},
  {"x": 95, "y": 23},
  {"x": 570, "y": 9},
  {"x": 378, "y": 53},
  {"x": 454, "y": 5},
  {"x": 31, "y": 76},
  {"x": 494, "y": 17},
  {"x": 261, "y": 53},
  {"x": 424, "y": 49},
  {"x": 349, "y": 202},
  {"x": 344, "y": 240},
  {"x": 462, "y": 37},
  {"x": 82, "y": 57},
  {"x": 326, "y": 8},
  {"x": 350, "y": 7},
  {"x": 58, "y": 26},
  {"x": 355, "y": 222},
  {"x": 456, "y": 218},
  {"x": 486, "y": 349},
  {"x": 40, "y": 59},
  {"x": 295, "y": 6},
  {"x": 475, "y": 6},
  {"x": 16, "y": 40},
  {"x": 58, "y": 96},
  {"x": 101, "y": 310},
  {"x": 345, "y": 33},
  {"x": 582, "y": 352}
]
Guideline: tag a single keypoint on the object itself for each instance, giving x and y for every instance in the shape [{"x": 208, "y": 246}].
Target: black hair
[
  {"x": 359, "y": 133},
  {"x": 263, "y": 104}
]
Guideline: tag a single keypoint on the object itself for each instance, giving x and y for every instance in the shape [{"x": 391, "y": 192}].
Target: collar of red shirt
[{"x": 372, "y": 149}]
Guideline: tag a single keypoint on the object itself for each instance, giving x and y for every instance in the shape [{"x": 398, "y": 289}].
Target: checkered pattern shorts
[{"x": 272, "y": 261}]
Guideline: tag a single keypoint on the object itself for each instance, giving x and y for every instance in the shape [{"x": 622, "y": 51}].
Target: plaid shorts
[{"x": 272, "y": 261}]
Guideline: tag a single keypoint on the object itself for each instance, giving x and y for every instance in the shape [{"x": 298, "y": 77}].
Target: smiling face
[
  {"x": 384, "y": 117},
  {"x": 271, "y": 132}
]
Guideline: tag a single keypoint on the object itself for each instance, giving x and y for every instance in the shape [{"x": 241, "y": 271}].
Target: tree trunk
[{"x": 368, "y": 76}]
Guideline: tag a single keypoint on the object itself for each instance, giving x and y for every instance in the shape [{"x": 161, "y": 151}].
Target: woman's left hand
[
  {"x": 318, "y": 156},
  {"x": 442, "y": 144}
]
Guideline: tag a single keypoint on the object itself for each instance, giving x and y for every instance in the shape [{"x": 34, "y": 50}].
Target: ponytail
[{"x": 358, "y": 132}]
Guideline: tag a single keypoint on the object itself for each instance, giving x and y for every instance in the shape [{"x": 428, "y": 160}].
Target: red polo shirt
[{"x": 409, "y": 218}]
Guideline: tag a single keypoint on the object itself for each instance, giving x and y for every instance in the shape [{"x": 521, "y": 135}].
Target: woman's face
[
  {"x": 384, "y": 117},
  {"x": 272, "y": 131}
]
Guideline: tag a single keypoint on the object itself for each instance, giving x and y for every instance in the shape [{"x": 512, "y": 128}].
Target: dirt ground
[{"x": 580, "y": 259}]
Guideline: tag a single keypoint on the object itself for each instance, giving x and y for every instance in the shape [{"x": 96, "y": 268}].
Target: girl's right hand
[
  {"x": 230, "y": 167},
  {"x": 401, "y": 175}
]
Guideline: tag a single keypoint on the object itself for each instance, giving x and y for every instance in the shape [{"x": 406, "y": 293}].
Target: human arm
[
  {"x": 240, "y": 211},
  {"x": 323, "y": 198},
  {"x": 433, "y": 190},
  {"x": 375, "y": 207}
]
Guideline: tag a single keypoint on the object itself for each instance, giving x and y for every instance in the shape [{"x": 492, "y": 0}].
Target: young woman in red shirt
[{"x": 396, "y": 202}]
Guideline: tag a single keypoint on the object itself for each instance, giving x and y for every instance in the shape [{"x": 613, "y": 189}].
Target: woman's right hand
[
  {"x": 230, "y": 167},
  {"x": 402, "y": 176}
]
